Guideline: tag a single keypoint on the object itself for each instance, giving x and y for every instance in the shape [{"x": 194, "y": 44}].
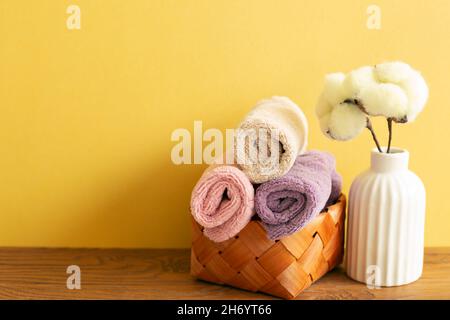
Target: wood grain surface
[{"x": 33, "y": 273}]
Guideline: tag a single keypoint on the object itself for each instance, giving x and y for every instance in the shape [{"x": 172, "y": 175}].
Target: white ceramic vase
[{"x": 386, "y": 222}]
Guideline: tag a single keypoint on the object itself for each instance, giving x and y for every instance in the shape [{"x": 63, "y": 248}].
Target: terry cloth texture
[
  {"x": 288, "y": 203},
  {"x": 222, "y": 202},
  {"x": 270, "y": 138}
]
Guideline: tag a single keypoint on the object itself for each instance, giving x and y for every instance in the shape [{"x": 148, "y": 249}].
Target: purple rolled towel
[{"x": 288, "y": 203}]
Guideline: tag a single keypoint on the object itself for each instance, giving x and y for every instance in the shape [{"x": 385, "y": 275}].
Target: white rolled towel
[{"x": 270, "y": 138}]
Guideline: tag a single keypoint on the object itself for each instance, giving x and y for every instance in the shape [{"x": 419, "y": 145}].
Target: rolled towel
[
  {"x": 270, "y": 138},
  {"x": 288, "y": 203},
  {"x": 222, "y": 202}
]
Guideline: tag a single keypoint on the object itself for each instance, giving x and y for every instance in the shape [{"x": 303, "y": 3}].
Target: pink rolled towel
[{"x": 222, "y": 202}]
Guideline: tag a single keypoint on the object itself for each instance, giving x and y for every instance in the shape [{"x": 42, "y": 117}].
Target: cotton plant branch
[
  {"x": 369, "y": 125},
  {"x": 368, "y": 122},
  {"x": 374, "y": 136},
  {"x": 389, "y": 121}
]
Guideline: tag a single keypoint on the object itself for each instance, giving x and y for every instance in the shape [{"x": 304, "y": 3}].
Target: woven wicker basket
[{"x": 281, "y": 268}]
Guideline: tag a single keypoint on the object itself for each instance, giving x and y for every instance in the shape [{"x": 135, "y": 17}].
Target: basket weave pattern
[{"x": 282, "y": 268}]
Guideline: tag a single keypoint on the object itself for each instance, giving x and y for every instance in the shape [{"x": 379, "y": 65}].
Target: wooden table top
[{"x": 34, "y": 273}]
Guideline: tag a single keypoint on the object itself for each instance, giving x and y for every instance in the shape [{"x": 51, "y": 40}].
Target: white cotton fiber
[
  {"x": 416, "y": 90},
  {"x": 393, "y": 72},
  {"x": 358, "y": 79},
  {"x": 346, "y": 122},
  {"x": 384, "y": 99},
  {"x": 323, "y": 107},
  {"x": 323, "y": 122},
  {"x": 333, "y": 91},
  {"x": 338, "y": 120},
  {"x": 391, "y": 89}
]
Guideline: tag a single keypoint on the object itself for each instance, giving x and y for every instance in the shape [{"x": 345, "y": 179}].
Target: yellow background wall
[{"x": 86, "y": 115}]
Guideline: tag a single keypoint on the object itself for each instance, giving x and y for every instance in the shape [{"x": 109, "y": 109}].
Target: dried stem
[
  {"x": 369, "y": 126},
  {"x": 389, "y": 121}
]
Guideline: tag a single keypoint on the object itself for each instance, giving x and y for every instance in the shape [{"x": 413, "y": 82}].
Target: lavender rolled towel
[{"x": 288, "y": 203}]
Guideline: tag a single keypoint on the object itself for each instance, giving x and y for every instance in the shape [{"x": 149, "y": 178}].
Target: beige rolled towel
[{"x": 270, "y": 138}]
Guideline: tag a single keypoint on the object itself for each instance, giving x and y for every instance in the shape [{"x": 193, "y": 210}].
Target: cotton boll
[
  {"x": 323, "y": 107},
  {"x": 393, "y": 90},
  {"x": 323, "y": 122},
  {"x": 358, "y": 79},
  {"x": 384, "y": 99},
  {"x": 393, "y": 72},
  {"x": 416, "y": 90},
  {"x": 346, "y": 122},
  {"x": 332, "y": 91}
]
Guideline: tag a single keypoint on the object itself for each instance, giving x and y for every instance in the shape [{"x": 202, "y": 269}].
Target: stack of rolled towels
[{"x": 272, "y": 178}]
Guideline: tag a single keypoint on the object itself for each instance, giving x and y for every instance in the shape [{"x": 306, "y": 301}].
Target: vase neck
[{"x": 396, "y": 160}]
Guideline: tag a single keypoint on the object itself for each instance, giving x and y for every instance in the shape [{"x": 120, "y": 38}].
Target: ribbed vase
[{"x": 386, "y": 222}]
